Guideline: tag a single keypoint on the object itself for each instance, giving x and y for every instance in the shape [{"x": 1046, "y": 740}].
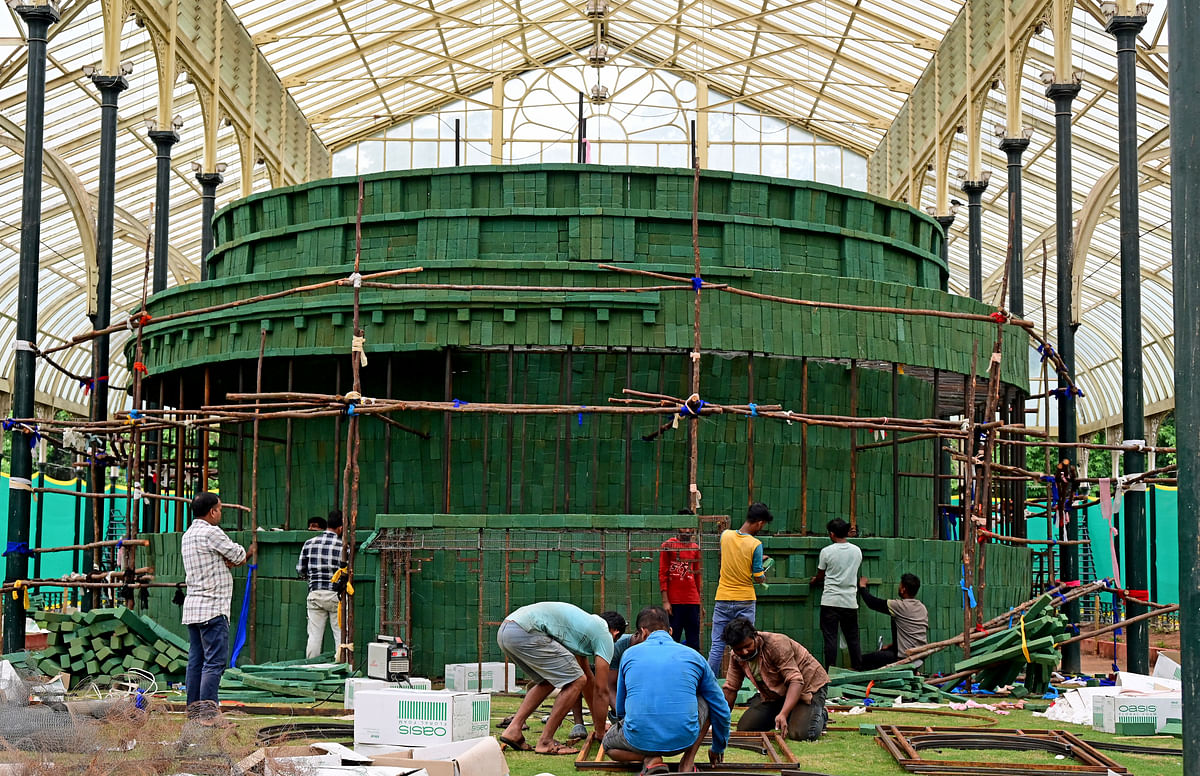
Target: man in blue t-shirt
[
  {"x": 551, "y": 643},
  {"x": 666, "y": 696}
]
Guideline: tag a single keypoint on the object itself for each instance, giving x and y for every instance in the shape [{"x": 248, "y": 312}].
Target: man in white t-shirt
[{"x": 838, "y": 568}]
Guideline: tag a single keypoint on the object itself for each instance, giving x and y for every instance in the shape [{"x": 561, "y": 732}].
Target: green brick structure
[
  {"x": 524, "y": 560},
  {"x": 553, "y": 226}
]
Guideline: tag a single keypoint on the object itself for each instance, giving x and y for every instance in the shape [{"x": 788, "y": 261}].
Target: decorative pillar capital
[
  {"x": 209, "y": 181},
  {"x": 1014, "y": 147},
  {"x": 1067, "y": 92},
  {"x": 1120, "y": 26},
  {"x": 946, "y": 222},
  {"x": 163, "y": 138},
  {"x": 110, "y": 84},
  {"x": 41, "y": 15},
  {"x": 974, "y": 189}
]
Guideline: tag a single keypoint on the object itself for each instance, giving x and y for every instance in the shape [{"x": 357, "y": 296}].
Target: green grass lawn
[{"x": 843, "y": 751}]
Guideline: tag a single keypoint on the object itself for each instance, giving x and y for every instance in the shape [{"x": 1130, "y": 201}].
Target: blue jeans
[
  {"x": 207, "y": 657},
  {"x": 723, "y": 612}
]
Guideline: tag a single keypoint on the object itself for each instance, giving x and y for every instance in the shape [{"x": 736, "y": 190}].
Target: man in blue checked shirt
[
  {"x": 320, "y": 557},
  {"x": 666, "y": 696}
]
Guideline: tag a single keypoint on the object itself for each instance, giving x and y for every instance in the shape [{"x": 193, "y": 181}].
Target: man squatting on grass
[
  {"x": 666, "y": 697},
  {"x": 791, "y": 684},
  {"x": 551, "y": 642}
]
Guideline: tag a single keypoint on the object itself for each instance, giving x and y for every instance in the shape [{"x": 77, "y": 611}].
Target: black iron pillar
[
  {"x": 38, "y": 19},
  {"x": 1182, "y": 33},
  {"x": 1063, "y": 95},
  {"x": 208, "y": 200},
  {"x": 163, "y": 140},
  {"x": 110, "y": 87},
  {"x": 1014, "y": 147},
  {"x": 1133, "y": 414},
  {"x": 942, "y": 491},
  {"x": 974, "y": 191}
]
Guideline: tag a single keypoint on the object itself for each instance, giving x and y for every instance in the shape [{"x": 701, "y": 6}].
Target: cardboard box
[
  {"x": 355, "y": 686},
  {"x": 475, "y": 757},
  {"x": 1135, "y": 714},
  {"x": 465, "y": 676},
  {"x": 415, "y": 683},
  {"x": 1166, "y": 668},
  {"x": 420, "y": 717}
]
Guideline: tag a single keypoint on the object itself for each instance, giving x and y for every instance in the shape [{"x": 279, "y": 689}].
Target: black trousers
[
  {"x": 685, "y": 619},
  {"x": 879, "y": 659},
  {"x": 806, "y": 722},
  {"x": 831, "y": 618}
]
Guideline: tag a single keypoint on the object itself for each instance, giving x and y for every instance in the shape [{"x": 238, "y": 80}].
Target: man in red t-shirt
[{"x": 679, "y": 580}]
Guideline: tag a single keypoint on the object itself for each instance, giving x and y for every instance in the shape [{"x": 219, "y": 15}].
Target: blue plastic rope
[
  {"x": 686, "y": 411},
  {"x": 35, "y": 438},
  {"x": 243, "y": 618},
  {"x": 17, "y": 548},
  {"x": 459, "y": 403},
  {"x": 350, "y": 409},
  {"x": 579, "y": 416},
  {"x": 970, "y": 591},
  {"x": 135, "y": 414},
  {"x": 1046, "y": 350},
  {"x": 9, "y": 423},
  {"x": 697, "y": 284},
  {"x": 753, "y": 410}
]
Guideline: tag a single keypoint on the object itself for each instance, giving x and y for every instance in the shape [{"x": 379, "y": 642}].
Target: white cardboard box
[
  {"x": 1135, "y": 714},
  {"x": 420, "y": 717},
  {"x": 465, "y": 677},
  {"x": 477, "y": 757},
  {"x": 357, "y": 685},
  {"x": 1166, "y": 668}
]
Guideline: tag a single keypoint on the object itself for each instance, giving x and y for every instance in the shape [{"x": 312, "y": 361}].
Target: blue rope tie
[
  {"x": 9, "y": 423},
  {"x": 350, "y": 409},
  {"x": 686, "y": 411},
  {"x": 1046, "y": 350},
  {"x": 243, "y": 618},
  {"x": 17, "y": 549},
  {"x": 697, "y": 284},
  {"x": 135, "y": 414},
  {"x": 753, "y": 410},
  {"x": 459, "y": 403},
  {"x": 579, "y": 416},
  {"x": 1067, "y": 392},
  {"x": 34, "y": 438}
]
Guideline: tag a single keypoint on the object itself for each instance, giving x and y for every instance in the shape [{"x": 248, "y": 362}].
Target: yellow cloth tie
[
  {"x": 21, "y": 592},
  {"x": 1024, "y": 644},
  {"x": 337, "y": 577}
]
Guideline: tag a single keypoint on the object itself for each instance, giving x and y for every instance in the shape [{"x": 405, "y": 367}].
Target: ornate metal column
[
  {"x": 38, "y": 19},
  {"x": 208, "y": 196},
  {"x": 1182, "y": 33},
  {"x": 974, "y": 191},
  {"x": 163, "y": 140},
  {"x": 1063, "y": 94},
  {"x": 1133, "y": 413}
]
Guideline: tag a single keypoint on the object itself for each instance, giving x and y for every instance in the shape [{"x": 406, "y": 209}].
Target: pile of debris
[{"x": 105, "y": 642}]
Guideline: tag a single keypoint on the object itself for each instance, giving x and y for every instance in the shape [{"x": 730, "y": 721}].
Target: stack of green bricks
[
  {"x": 99, "y": 644},
  {"x": 1027, "y": 646}
]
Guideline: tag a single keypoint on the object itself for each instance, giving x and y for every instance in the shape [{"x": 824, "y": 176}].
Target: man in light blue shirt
[
  {"x": 666, "y": 696},
  {"x": 551, "y": 642}
]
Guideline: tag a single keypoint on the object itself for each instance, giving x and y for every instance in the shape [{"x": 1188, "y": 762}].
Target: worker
[
  {"x": 910, "y": 622},
  {"x": 621, "y": 642},
  {"x": 208, "y": 554},
  {"x": 551, "y": 642},
  {"x": 680, "y": 583},
  {"x": 317, "y": 523},
  {"x": 659, "y": 717},
  {"x": 320, "y": 558},
  {"x": 789, "y": 681},
  {"x": 741, "y": 569},
  {"x": 837, "y": 567}
]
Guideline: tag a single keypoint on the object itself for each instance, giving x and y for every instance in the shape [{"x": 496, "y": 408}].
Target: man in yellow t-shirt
[{"x": 741, "y": 569}]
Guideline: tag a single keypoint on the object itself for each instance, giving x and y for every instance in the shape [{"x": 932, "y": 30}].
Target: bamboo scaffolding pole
[
  {"x": 93, "y": 545},
  {"x": 1019, "y": 540},
  {"x": 156, "y": 496},
  {"x": 1114, "y": 626},
  {"x": 536, "y": 289},
  {"x": 694, "y": 441},
  {"x": 140, "y": 320}
]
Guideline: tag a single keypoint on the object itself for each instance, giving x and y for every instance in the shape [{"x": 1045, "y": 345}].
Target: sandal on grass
[
  {"x": 661, "y": 768},
  {"x": 517, "y": 746}
]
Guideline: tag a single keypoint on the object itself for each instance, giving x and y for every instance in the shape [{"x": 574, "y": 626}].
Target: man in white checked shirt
[
  {"x": 208, "y": 554},
  {"x": 320, "y": 557}
]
